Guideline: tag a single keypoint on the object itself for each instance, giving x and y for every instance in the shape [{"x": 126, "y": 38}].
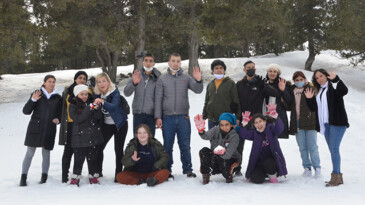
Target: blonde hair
[{"x": 106, "y": 76}]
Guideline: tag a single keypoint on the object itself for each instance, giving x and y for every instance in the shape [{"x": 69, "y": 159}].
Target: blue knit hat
[{"x": 229, "y": 117}]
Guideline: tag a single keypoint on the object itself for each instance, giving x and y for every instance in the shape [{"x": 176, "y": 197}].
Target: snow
[{"x": 15, "y": 90}]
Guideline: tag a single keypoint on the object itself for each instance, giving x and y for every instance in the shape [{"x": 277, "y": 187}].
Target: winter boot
[
  {"x": 151, "y": 181},
  {"x": 93, "y": 179},
  {"x": 206, "y": 178},
  {"x": 317, "y": 173},
  {"x": 307, "y": 172},
  {"x": 23, "y": 180},
  {"x": 191, "y": 175},
  {"x": 335, "y": 180},
  {"x": 141, "y": 181},
  {"x": 64, "y": 178},
  {"x": 341, "y": 179},
  {"x": 75, "y": 179},
  {"x": 229, "y": 180},
  {"x": 43, "y": 178}
]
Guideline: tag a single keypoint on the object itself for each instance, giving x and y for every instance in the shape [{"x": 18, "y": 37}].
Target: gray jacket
[
  {"x": 144, "y": 96},
  {"x": 230, "y": 142},
  {"x": 172, "y": 93}
]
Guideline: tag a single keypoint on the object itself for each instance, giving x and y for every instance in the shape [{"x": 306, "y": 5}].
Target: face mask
[
  {"x": 218, "y": 76},
  {"x": 300, "y": 84},
  {"x": 148, "y": 69},
  {"x": 250, "y": 72}
]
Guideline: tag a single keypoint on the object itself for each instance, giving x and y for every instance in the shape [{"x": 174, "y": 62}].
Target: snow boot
[
  {"x": 206, "y": 178},
  {"x": 93, "y": 179},
  {"x": 151, "y": 181},
  {"x": 23, "y": 180},
  {"x": 43, "y": 178},
  {"x": 191, "y": 175},
  {"x": 75, "y": 179},
  {"x": 335, "y": 180},
  {"x": 341, "y": 179}
]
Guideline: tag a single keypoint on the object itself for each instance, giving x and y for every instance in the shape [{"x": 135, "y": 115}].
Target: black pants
[
  {"x": 91, "y": 155},
  {"x": 240, "y": 150},
  {"x": 67, "y": 151},
  {"x": 119, "y": 139},
  {"x": 261, "y": 170},
  {"x": 214, "y": 164}
]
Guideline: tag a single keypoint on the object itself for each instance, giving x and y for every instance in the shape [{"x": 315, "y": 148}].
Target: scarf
[{"x": 322, "y": 107}]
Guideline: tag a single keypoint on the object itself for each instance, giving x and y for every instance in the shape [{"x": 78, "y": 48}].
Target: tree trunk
[
  {"x": 245, "y": 48},
  {"x": 142, "y": 31},
  {"x": 311, "y": 57},
  {"x": 193, "y": 41},
  {"x": 113, "y": 69}
]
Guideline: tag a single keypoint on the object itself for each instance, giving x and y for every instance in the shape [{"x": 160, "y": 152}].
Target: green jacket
[
  {"x": 307, "y": 119},
  {"x": 157, "y": 149},
  {"x": 225, "y": 99}
]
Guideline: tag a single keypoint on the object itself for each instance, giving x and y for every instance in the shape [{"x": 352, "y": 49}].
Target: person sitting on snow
[
  {"x": 266, "y": 158},
  {"x": 222, "y": 156}
]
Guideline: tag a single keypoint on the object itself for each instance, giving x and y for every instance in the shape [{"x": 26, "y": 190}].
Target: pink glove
[
  {"x": 219, "y": 150},
  {"x": 246, "y": 118},
  {"x": 199, "y": 122},
  {"x": 272, "y": 110}
]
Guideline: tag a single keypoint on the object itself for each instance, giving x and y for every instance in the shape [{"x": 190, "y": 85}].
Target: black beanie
[
  {"x": 218, "y": 62},
  {"x": 80, "y": 73}
]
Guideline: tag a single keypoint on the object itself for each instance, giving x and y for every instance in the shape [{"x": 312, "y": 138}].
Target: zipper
[
  {"x": 175, "y": 94},
  {"x": 144, "y": 94}
]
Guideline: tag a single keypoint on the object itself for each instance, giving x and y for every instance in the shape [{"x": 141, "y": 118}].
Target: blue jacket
[
  {"x": 271, "y": 132},
  {"x": 113, "y": 106}
]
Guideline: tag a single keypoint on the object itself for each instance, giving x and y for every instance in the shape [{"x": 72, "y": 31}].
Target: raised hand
[
  {"x": 197, "y": 73},
  {"x": 199, "y": 123},
  {"x": 332, "y": 74},
  {"x": 272, "y": 110},
  {"x": 36, "y": 95},
  {"x": 309, "y": 93},
  {"x": 134, "y": 157},
  {"x": 98, "y": 101},
  {"x": 136, "y": 77},
  {"x": 282, "y": 83},
  {"x": 245, "y": 118}
]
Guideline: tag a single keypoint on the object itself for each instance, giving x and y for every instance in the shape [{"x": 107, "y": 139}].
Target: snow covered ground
[{"x": 294, "y": 189}]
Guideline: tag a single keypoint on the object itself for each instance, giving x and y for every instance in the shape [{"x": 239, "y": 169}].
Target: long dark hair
[
  {"x": 80, "y": 105},
  {"x": 315, "y": 83},
  {"x": 48, "y": 77},
  {"x": 267, "y": 118}
]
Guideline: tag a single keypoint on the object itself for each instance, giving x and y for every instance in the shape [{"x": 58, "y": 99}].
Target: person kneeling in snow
[
  {"x": 266, "y": 158},
  {"x": 222, "y": 157},
  {"x": 145, "y": 160}
]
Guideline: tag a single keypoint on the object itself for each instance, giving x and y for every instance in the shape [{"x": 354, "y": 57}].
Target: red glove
[
  {"x": 246, "y": 118},
  {"x": 272, "y": 110},
  {"x": 219, "y": 150},
  {"x": 199, "y": 122}
]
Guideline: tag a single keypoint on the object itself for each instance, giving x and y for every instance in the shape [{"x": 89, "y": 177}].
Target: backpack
[{"x": 124, "y": 105}]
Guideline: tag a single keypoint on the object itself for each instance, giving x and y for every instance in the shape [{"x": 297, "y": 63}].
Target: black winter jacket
[
  {"x": 41, "y": 130},
  {"x": 86, "y": 130},
  {"x": 336, "y": 106}
]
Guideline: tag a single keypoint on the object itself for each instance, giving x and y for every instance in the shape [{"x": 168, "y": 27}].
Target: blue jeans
[
  {"x": 179, "y": 124},
  {"x": 212, "y": 124},
  {"x": 144, "y": 119},
  {"x": 334, "y": 135},
  {"x": 307, "y": 142}
]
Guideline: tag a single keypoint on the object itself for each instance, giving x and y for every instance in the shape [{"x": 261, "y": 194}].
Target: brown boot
[
  {"x": 335, "y": 180},
  {"x": 341, "y": 179},
  {"x": 206, "y": 178},
  {"x": 229, "y": 180}
]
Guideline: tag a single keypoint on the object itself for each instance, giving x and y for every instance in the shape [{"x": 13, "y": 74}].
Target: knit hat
[
  {"x": 80, "y": 88},
  {"x": 275, "y": 67},
  {"x": 80, "y": 73},
  {"x": 228, "y": 117},
  {"x": 218, "y": 62}
]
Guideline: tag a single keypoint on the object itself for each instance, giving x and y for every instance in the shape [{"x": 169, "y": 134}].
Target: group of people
[{"x": 254, "y": 108}]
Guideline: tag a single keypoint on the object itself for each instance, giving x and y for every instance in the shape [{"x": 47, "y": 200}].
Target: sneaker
[
  {"x": 75, "y": 180},
  {"x": 317, "y": 173},
  {"x": 307, "y": 172},
  {"x": 94, "y": 179},
  {"x": 274, "y": 180},
  {"x": 190, "y": 175},
  {"x": 151, "y": 181}
]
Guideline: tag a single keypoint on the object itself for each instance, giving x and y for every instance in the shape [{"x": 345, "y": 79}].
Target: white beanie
[
  {"x": 80, "y": 88},
  {"x": 275, "y": 67}
]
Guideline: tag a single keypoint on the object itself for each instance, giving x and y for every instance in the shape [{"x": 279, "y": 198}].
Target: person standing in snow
[
  {"x": 86, "y": 133},
  {"x": 172, "y": 109},
  {"x": 251, "y": 93},
  {"x": 143, "y": 84},
  {"x": 45, "y": 106},
  {"x": 281, "y": 95},
  {"x": 331, "y": 115},
  {"x": 221, "y": 96},
  {"x": 303, "y": 126},
  {"x": 266, "y": 158},
  {"x": 222, "y": 156},
  {"x": 145, "y": 160},
  {"x": 65, "y": 134},
  {"x": 114, "y": 120}
]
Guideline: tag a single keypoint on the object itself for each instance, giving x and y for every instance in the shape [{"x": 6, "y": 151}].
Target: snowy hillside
[{"x": 294, "y": 189}]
